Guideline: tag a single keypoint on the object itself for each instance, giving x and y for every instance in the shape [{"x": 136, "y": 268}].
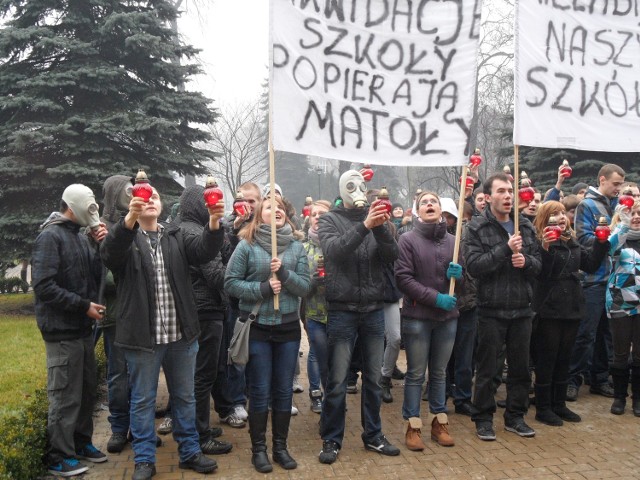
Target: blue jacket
[
  {"x": 622, "y": 299},
  {"x": 588, "y": 213}
]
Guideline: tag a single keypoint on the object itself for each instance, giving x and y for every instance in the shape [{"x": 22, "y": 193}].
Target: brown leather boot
[
  {"x": 413, "y": 439},
  {"x": 440, "y": 430}
]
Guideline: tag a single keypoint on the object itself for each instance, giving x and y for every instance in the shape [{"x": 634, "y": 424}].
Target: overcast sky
[{"x": 234, "y": 38}]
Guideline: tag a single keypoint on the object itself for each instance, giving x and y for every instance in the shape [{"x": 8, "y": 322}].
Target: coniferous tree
[{"x": 89, "y": 89}]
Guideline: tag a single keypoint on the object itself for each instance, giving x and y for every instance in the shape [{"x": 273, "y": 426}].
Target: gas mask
[
  {"x": 353, "y": 189},
  {"x": 122, "y": 203},
  {"x": 82, "y": 203}
]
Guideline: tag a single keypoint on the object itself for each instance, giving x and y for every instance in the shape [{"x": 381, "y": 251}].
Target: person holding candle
[
  {"x": 314, "y": 309},
  {"x": 255, "y": 277},
  {"x": 157, "y": 322},
  {"x": 590, "y": 355},
  {"x": 560, "y": 304},
  {"x": 623, "y": 306},
  {"x": 429, "y": 317},
  {"x": 504, "y": 263}
]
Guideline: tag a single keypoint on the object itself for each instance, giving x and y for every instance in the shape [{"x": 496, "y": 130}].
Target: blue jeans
[
  {"x": 590, "y": 354},
  {"x": 229, "y": 388},
  {"x": 178, "y": 360},
  {"x": 463, "y": 349},
  {"x": 392, "y": 335},
  {"x": 317, "y": 360},
  {"x": 427, "y": 343},
  {"x": 342, "y": 330},
  {"x": 270, "y": 375},
  {"x": 117, "y": 382}
]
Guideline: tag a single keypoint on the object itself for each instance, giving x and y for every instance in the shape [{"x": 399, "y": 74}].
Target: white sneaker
[
  {"x": 241, "y": 412},
  {"x": 297, "y": 388},
  {"x": 294, "y": 410}
]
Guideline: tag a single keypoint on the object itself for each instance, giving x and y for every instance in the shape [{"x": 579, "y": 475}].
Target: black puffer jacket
[
  {"x": 354, "y": 260},
  {"x": 66, "y": 272},
  {"x": 558, "y": 293},
  {"x": 128, "y": 255},
  {"x": 207, "y": 279},
  {"x": 503, "y": 290}
]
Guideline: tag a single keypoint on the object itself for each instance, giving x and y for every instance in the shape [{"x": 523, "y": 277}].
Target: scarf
[
  {"x": 313, "y": 236},
  {"x": 284, "y": 236},
  {"x": 633, "y": 235}
]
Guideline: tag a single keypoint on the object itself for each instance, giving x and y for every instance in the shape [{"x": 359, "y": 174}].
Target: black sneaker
[
  {"x": 91, "y": 453},
  {"x": 117, "y": 442},
  {"x": 316, "y": 404},
  {"x": 215, "y": 432},
  {"x": 519, "y": 427},
  {"x": 215, "y": 447},
  {"x": 352, "y": 388},
  {"x": 67, "y": 467},
  {"x": 397, "y": 374},
  {"x": 383, "y": 446},
  {"x": 485, "y": 432},
  {"x": 199, "y": 463},
  {"x": 572, "y": 393},
  {"x": 143, "y": 471},
  {"x": 464, "y": 408},
  {"x": 603, "y": 389},
  {"x": 329, "y": 452}
]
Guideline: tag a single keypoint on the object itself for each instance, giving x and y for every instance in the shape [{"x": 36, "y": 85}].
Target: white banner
[
  {"x": 375, "y": 81},
  {"x": 577, "y": 74}
]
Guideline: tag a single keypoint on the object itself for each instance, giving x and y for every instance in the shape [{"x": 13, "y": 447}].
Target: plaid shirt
[{"x": 166, "y": 325}]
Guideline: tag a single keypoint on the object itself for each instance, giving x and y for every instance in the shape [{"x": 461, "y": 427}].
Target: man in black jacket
[
  {"x": 66, "y": 274},
  {"x": 207, "y": 280},
  {"x": 357, "y": 243},
  {"x": 504, "y": 264},
  {"x": 157, "y": 322}
]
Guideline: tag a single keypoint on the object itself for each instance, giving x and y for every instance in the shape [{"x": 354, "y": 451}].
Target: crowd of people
[{"x": 540, "y": 293}]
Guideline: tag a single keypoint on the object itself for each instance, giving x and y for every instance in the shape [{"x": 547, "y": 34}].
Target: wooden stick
[
  {"x": 272, "y": 185},
  {"x": 456, "y": 245},
  {"x": 516, "y": 181}
]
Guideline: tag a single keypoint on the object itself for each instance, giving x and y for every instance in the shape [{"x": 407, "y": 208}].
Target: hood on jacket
[
  {"x": 115, "y": 198},
  {"x": 192, "y": 206},
  {"x": 594, "y": 194},
  {"x": 53, "y": 219}
]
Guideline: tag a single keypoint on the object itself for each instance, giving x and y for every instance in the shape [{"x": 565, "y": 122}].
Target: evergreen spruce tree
[{"x": 88, "y": 89}]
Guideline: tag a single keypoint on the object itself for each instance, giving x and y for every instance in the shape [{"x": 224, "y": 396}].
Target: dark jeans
[
  {"x": 590, "y": 354},
  {"x": 463, "y": 352},
  {"x": 211, "y": 327},
  {"x": 554, "y": 341},
  {"x": 229, "y": 388},
  {"x": 117, "y": 382},
  {"x": 625, "y": 332},
  {"x": 493, "y": 333},
  {"x": 71, "y": 387},
  {"x": 342, "y": 330},
  {"x": 270, "y": 375},
  {"x": 317, "y": 359}
]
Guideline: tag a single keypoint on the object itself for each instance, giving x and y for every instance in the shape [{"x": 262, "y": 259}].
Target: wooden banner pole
[
  {"x": 516, "y": 197},
  {"x": 456, "y": 246}
]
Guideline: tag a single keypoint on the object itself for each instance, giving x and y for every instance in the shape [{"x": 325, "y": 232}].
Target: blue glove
[
  {"x": 454, "y": 271},
  {"x": 446, "y": 302}
]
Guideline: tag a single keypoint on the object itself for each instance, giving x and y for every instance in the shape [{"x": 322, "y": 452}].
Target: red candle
[
  {"x": 142, "y": 189},
  {"x": 383, "y": 199},
  {"x": 475, "y": 159},
  {"x": 367, "y": 173},
  {"x": 553, "y": 229},
  {"x": 240, "y": 207},
  {"x": 602, "y": 230},
  {"x": 526, "y": 192},
  {"x": 212, "y": 194},
  {"x": 320, "y": 267},
  {"x": 627, "y": 200},
  {"x": 565, "y": 169},
  {"x": 306, "y": 210},
  {"x": 507, "y": 172}
]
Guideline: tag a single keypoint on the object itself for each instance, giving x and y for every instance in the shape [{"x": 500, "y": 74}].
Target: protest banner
[
  {"x": 577, "y": 74},
  {"x": 374, "y": 81}
]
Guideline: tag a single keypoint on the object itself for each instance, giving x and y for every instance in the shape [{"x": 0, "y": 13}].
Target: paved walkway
[{"x": 602, "y": 446}]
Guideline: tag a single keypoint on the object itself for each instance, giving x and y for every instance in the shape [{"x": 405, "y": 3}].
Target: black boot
[
  {"x": 280, "y": 429},
  {"x": 559, "y": 403},
  {"x": 620, "y": 378},
  {"x": 257, "y": 432},
  {"x": 635, "y": 390},
  {"x": 544, "y": 413},
  {"x": 385, "y": 383}
]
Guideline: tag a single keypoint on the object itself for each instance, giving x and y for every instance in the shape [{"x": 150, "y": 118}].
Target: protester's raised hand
[
  {"x": 99, "y": 232},
  {"x": 136, "y": 206},
  {"x": 377, "y": 216},
  {"x": 216, "y": 213}
]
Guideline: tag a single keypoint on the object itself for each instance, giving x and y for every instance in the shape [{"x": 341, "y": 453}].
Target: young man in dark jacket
[
  {"x": 356, "y": 243},
  {"x": 504, "y": 264},
  {"x": 66, "y": 274},
  {"x": 157, "y": 322},
  {"x": 207, "y": 280}
]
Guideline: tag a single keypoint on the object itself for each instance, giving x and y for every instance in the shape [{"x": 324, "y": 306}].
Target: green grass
[{"x": 22, "y": 353}]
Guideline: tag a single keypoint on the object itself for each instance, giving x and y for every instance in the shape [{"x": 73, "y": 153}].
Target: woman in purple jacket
[{"x": 429, "y": 316}]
